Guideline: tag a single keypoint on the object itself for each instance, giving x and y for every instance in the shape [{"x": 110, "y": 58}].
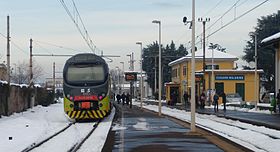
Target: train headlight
[{"x": 101, "y": 96}]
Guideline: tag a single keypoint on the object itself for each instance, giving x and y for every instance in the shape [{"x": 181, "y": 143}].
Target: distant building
[
  {"x": 58, "y": 83},
  {"x": 3, "y": 72},
  {"x": 226, "y": 78}
]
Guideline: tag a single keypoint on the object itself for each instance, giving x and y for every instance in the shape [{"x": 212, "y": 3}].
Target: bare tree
[{"x": 20, "y": 72}]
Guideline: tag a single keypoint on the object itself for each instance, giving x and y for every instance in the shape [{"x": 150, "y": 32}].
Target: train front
[{"x": 86, "y": 87}]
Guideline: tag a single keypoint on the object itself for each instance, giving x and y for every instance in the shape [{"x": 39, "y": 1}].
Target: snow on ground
[
  {"x": 20, "y": 130},
  {"x": 97, "y": 140},
  {"x": 30, "y": 126},
  {"x": 254, "y": 137}
]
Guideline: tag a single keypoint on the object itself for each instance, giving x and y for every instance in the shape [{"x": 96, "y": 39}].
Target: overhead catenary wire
[
  {"x": 237, "y": 18},
  {"x": 14, "y": 44},
  {"x": 56, "y": 45},
  {"x": 233, "y": 20},
  {"x": 76, "y": 19}
]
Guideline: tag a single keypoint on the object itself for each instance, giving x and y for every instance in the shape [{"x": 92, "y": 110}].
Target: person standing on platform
[
  {"x": 186, "y": 98},
  {"x": 123, "y": 98},
  {"x": 202, "y": 100},
  {"x": 224, "y": 99},
  {"x": 118, "y": 98},
  {"x": 216, "y": 99}
]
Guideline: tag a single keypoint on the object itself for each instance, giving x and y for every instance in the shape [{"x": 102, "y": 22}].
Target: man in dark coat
[
  {"x": 118, "y": 98},
  {"x": 224, "y": 99},
  {"x": 186, "y": 98},
  {"x": 216, "y": 99},
  {"x": 123, "y": 98}
]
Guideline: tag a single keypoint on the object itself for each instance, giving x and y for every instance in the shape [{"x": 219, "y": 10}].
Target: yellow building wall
[{"x": 229, "y": 85}]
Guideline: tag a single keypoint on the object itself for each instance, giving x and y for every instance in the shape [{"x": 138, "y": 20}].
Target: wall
[{"x": 18, "y": 99}]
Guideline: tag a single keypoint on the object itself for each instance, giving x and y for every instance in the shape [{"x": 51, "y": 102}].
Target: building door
[
  {"x": 240, "y": 89},
  {"x": 219, "y": 86}
]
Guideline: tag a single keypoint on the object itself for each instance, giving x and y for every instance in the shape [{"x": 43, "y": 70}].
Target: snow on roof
[
  {"x": 270, "y": 38},
  {"x": 208, "y": 55}
]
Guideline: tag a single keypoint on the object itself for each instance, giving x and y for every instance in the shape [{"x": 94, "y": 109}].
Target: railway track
[{"x": 80, "y": 132}]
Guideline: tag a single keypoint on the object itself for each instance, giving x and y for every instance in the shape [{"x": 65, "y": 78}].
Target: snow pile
[{"x": 254, "y": 137}]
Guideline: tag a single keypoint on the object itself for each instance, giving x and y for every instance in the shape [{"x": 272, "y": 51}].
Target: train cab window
[{"x": 85, "y": 73}]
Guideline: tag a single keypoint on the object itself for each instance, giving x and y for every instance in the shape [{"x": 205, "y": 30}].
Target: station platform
[{"x": 139, "y": 130}]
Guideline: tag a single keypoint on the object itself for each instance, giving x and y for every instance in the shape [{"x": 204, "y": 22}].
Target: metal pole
[
  {"x": 203, "y": 23},
  {"x": 8, "y": 50},
  {"x": 118, "y": 71},
  {"x": 159, "y": 67},
  {"x": 212, "y": 75},
  {"x": 193, "y": 70},
  {"x": 141, "y": 77},
  {"x": 30, "y": 65},
  {"x": 54, "y": 77},
  {"x": 122, "y": 75},
  {"x": 256, "y": 60},
  {"x": 155, "y": 74},
  {"x": 159, "y": 70}
]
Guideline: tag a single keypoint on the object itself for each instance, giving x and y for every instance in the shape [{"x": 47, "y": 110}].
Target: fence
[{"x": 18, "y": 98}]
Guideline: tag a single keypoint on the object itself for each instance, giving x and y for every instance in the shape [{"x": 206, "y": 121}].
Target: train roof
[{"x": 85, "y": 57}]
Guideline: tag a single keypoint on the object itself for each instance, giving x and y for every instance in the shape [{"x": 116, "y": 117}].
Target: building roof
[
  {"x": 218, "y": 55},
  {"x": 271, "y": 39}
]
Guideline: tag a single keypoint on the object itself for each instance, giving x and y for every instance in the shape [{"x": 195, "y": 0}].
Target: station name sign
[{"x": 229, "y": 77}]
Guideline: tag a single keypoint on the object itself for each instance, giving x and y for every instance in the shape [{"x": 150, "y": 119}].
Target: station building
[
  {"x": 274, "y": 40},
  {"x": 227, "y": 77}
]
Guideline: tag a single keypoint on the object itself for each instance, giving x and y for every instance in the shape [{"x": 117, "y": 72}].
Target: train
[{"x": 86, "y": 87}]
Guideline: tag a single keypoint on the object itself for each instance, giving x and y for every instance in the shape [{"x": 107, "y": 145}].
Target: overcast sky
[{"x": 115, "y": 26}]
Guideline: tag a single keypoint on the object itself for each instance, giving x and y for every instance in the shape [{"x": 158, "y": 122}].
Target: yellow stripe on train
[{"x": 94, "y": 114}]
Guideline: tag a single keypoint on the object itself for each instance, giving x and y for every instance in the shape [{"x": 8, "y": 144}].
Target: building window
[
  {"x": 209, "y": 67},
  {"x": 184, "y": 71},
  {"x": 174, "y": 73}
]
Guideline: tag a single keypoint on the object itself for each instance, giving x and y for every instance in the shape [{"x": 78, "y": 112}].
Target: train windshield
[{"x": 85, "y": 73}]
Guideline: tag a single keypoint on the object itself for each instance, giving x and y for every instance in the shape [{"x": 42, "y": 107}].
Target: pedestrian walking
[
  {"x": 202, "y": 100},
  {"x": 224, "y": 99},
  {"x": 123, "y": 98},
  {"x": 216, "y": 99}
]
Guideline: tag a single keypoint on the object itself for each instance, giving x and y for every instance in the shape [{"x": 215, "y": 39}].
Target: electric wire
[
  {"x": 220, "y": 18},
  {"x": 14, "y": 44},
  {"x": 84, "y": 34},
  {"x": 56, "y": 45},
  {"x": 213, "y": 8},
  {"x": 236, "y": 18}
]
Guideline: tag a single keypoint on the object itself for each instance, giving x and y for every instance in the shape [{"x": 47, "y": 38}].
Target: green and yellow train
[{"x": 86, "y": 87}]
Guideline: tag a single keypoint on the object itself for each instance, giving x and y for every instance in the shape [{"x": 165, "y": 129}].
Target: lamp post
[
  {"x": 118, "y": 73},
  {"x": 193, "y": 70},
  {"x": 122, "y": 76},
  {"x": 159, "y": 67},
  {"x": 192, "y": 26},
  {"x": 141, "y": 78}
]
